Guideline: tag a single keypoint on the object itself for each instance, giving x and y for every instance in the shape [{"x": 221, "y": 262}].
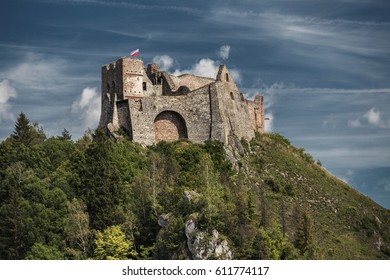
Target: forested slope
[{"x": 100, "y": 199}]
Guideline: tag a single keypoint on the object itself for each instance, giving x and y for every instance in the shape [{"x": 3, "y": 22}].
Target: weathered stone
[
  {"x": 203, "y": 245},
  {"x": 164, "y": 219},
  {"x": 191, "y": 196},
  {"x": 152, "y": 105}
]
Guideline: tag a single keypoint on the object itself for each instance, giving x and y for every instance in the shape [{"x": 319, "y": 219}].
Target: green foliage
[
  {"x": 26, "y": 133},
  {"x": 77, "y": 232},
  {"x": 65, "y": 135},
  {"x": 306, "y": 156},
  {"x": 112, "y": 244},
  {"x": 171, "y": 240},
  {"x": 280, "y": 139},
  {"x": 96, "y": 198},
  {"x": 305, "y": 234},
  {"x": 217, "y": 153},
  {"x": 100, "y": 186},
  {"x": 40, "y": 251}
]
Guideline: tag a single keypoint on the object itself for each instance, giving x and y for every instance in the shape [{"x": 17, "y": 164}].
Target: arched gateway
[{"x": 169, "y": 126}]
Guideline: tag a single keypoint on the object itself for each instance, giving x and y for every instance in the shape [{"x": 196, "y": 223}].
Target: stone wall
[
  {"x": 151, "y": 105},
  {"x": 194, "y": 108},
  {"x": 231, "y": 114},
  {"x": 256, "y": 113},
  {"x": 124, "y": 120}
]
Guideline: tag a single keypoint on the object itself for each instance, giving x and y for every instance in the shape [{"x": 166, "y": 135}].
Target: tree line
[{"x": 96, "y": 198}]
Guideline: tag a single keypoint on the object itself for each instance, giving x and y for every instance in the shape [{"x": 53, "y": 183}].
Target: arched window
[
  {"x": 183, "y": 90},
  {"x": 227, "y": 77},
  {"x": 232, "y": 95},
  {"x": 144, "y": 86}
]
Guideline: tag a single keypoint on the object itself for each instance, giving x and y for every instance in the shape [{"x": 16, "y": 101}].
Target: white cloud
[
  {"x": 6, "y": 93},
  {"x": 345, "y": 35},
  {"x": 88, "y": 106},
  {"x": 165, "y": 61},
  {"x": 371, "y": 117},
  {"x": 37, "y": 73},
  {"x": 269, "y": 122},
  {"x": 270, "y": 93},
  {"x": 330, "y": 122},
  {"x": 224, "y": 52},
  {"x": 236, "y": 75},
  {"x": 207, "y": 67},
  {"x": 354, "y": 123}
]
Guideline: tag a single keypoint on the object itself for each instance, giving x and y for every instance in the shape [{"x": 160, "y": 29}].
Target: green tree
[
  {"x": 40, "y": 251},
  {"x": 171, "y": 240},
  {"x": 305, "y": 235},
  {"x": 25, "y": 132},
  {"x": 112, "y": 244},
  {"x": 14, "y": 212},
  {"x": 100, "y": 184},
  {"x": 77, "y": 232},
  {"x": 30, "y": 212},
  {"x": 65, "y": 135}
]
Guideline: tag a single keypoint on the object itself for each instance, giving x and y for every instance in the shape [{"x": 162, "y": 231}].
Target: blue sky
[{"x": 323, "y": 66}]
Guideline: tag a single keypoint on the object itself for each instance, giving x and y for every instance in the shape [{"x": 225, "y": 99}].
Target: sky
[{"x": 323, "y": 67}]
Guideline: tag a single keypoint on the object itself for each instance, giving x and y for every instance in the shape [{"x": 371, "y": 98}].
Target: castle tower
[
  {"x": 132, "y": 75},
  {"x": 123, "y": 79}
]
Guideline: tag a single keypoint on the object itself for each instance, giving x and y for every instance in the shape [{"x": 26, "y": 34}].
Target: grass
[{"x": 347, "y": 224}]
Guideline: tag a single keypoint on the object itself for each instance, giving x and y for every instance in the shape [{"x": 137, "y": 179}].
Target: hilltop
[{"x": 104, "y": 199}]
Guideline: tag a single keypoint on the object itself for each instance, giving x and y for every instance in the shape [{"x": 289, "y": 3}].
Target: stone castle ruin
[{"x": 151, "y": 105}]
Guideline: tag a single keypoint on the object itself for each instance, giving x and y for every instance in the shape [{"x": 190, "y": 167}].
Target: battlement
[{"x": 153, "y": 105}]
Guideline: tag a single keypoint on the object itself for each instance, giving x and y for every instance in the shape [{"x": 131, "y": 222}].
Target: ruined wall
[
  {"x": 193, "y": 82},
  {"x": 124, "y": 120},
  {"x": 256, "y": 113},
  {"x": 230, "y": 114},
  {"x": 152, "y": 106},
  {"x": 194, "y": 108}
]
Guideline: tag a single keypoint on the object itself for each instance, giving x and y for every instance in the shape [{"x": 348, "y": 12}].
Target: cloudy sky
[{"x": 323, "y": 66}]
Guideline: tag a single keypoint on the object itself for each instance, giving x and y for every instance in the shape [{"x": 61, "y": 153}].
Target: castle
[{"x": 151, "y": 105}]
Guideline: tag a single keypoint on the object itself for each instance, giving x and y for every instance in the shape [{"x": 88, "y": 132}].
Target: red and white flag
[{"x": 134, "y": 53}]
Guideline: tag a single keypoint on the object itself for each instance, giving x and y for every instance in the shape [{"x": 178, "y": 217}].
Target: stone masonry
[{"x": 151, "y": 105}]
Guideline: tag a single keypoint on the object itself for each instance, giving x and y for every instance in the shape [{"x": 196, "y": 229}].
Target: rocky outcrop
[
  {"x": 164, "y": 219},
  {"x": 191, "y": 196},
  {"x": 204, "y": 245}
]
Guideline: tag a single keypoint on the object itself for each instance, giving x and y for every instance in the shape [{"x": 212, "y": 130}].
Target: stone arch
[{"x": 169, "y": 126}]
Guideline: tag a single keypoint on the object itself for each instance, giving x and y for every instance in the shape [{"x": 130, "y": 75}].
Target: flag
[{"x": 134, "y": 53}]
